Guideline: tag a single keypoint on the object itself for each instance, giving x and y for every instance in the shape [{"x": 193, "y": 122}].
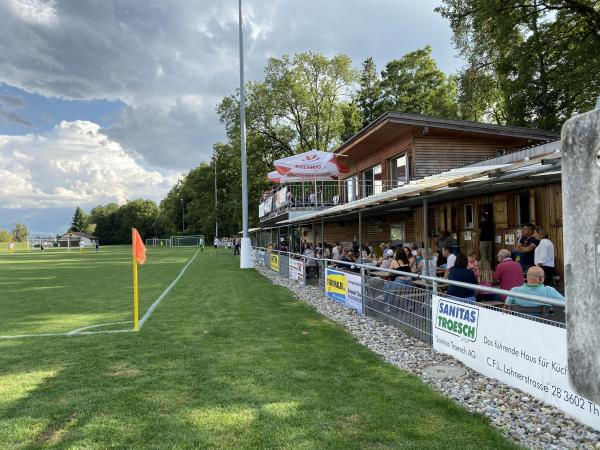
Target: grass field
[{"x": 226, "y": 361}]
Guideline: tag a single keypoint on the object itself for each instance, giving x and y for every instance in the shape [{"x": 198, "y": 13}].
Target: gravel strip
[{"x": 519, "y": 416}]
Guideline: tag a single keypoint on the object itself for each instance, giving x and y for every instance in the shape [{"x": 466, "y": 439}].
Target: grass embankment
[{"x": 227, "y": 361}]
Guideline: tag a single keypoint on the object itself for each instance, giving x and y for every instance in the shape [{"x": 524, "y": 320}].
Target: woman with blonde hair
[{"x": 485, "y": 278}]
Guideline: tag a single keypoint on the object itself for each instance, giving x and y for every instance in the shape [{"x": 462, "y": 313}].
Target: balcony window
[
  {"x": 399, "y": 171},
  {"x": 373, "y": 184}
]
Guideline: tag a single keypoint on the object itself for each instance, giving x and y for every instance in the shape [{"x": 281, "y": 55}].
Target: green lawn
[{"x": 226, "y": 361}]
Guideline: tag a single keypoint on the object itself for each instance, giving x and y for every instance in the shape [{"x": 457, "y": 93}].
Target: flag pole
[{"x": 136, "y": 326}]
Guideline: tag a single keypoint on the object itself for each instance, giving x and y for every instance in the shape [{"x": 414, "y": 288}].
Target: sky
[{"x": 115, "y": 100}]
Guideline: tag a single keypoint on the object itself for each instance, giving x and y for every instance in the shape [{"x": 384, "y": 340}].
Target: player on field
[
  {"x": 81, "y": 247},
  {"x": 11, "y": 248}
]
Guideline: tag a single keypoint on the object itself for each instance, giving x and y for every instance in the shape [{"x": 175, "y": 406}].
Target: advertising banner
[
  {"x": 274, "y": 262},
  {"x": 296, "y": 269},
  {"x": 528, "y": 355},
  {"x": 268, "y": 205},
  {"x": 345, "y": 288},
  {"x": 261, "y": 210},
  {"x": 281, "y": 198}
]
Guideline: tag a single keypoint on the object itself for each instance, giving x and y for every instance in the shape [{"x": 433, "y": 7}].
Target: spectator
[
  {"x": 388, "y": 257},
  {"x": 485, "y": 277},
  {"x": 425, "y": 267},
  {"x": 400, "y": 260},
  {"x": 336, "y": 253},
  {"x": 526, "y": 246},
  {"x": 473, "y": 264},
  {"x": 486, "y": 236},
  {"x": 535, "y": 286},
  {"x": 509, "y": 273},
  {"x": 412, "y": 260},
  {"x": 442, "y": 241},
  {"x": 311, "y": 262},
  {"x": 459, "y": 272},
  {"x": 544, "y": 255},
  {"x": 450, "y": 260}
]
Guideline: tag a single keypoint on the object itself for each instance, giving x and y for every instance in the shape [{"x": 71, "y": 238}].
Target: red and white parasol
[
  {"x": 310, "y": 165},
  {"x": 276, "y": 177}
]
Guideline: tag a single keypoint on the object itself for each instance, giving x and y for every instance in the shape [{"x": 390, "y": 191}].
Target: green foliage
[
  {"x": 414, "y": 84},
  {"x": 369, "y": 95},
  {"x": 534, "y": 62},
  {"x": 19, "y": 233},
  {"x": 113, "y": 223},
  {"x": 79, "y": 221},
  {"x": 5, "y": 236}
]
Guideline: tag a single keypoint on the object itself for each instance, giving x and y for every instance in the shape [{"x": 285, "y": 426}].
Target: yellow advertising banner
[{"x": 275, "y": 262}]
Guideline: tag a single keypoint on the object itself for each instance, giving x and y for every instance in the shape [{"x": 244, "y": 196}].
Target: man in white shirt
[
  {"x": 336, "y": 253},
  {"x": 450, "y": 260},
  {"x": 81, "y": 246},
  {"x": 544, "y": 255},
  {"x": 216, "y": 242}
]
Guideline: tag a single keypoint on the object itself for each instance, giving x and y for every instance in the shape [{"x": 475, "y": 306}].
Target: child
[
  {"x": 473, "y": 264},
  {"x": 485, "y": 279}
]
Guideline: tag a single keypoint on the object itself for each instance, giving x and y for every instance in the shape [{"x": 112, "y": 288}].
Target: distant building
[{"x": 72, "y": 239}]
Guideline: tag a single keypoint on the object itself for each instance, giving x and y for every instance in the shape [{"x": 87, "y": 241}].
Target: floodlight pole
[
  {"x": 216, "y": 204},
  {"x": 246, "y": 261}
]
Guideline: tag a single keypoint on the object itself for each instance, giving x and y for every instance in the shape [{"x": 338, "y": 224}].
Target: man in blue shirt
[
  {"x": 535, "y": 286},
  {"x": 526, "y": 246}
]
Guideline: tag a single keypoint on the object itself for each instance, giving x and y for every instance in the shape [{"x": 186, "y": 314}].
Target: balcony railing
[{"x": 319, "y": 195}]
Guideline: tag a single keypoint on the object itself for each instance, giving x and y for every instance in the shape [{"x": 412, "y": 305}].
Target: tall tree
[
  {"x": 414, "y": 84},
  {"x": 540, "y": 54},
  {"x": 20, "y": 232},
  {"x": 5, "y": 236},
  {"x": 79, "y": 220},
  {"x": 369, "y": 95}
]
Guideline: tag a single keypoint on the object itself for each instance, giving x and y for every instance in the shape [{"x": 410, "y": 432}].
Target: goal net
[
  {"x": 156, "y": 242},
  {"x": 187, "y": 241}
]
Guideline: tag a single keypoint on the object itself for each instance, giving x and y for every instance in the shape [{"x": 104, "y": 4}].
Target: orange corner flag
[{"x": 137, "y": 247}]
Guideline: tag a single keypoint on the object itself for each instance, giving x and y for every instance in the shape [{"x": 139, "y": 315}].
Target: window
[
  {"x": 469, "y": 216},
  {"x": 373, "y": 184},
  {"x": 399, "y": 171},
  {"x": 523, "y": 208},
  {"x": 352, "y": 188},
  {"x": 398, "y": 233},
  {"x": 434, "y": 221}
]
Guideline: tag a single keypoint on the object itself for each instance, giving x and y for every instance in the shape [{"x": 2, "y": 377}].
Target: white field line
[
  {"x": 83, "y": 332},
  {"x": 79, "y": 330},
  {"x": 166, "y": 291}
]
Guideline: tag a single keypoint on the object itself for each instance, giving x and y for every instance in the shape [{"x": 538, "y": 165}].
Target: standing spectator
[
  {"x": 526, "y": 246},
  {"x": 509, "y": 273},
  {"x": 336, "y": 253},
  {"x": 544, "y": 255},
  {"x": 535, "y": 286},
  {"x": 236, "y": 246},
  {"x": 459, "y": 272},
  {"x": 311, "y": 262},
  {"x": 216, "y": 242},
  {"x": 450, "y": 260},
  {"x": 486, "y": 236},
  {"x": 97, "y": 245}
]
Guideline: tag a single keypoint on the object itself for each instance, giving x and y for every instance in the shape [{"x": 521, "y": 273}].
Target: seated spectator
[
  {"x": 425, "y": 267},
  {"x": 450, "y": 260},
  {"x": 403, "y": 280},
  {"x": 473, "y": 264},
  {"x": 485, "y": 277},
  {"x": 459, "y": 272},
  {"x": 400, "y": 260},
  {"x": 508, "y": 274},
  {"x": 535, "y": 286},
  {"x": 388, "y": 257}
]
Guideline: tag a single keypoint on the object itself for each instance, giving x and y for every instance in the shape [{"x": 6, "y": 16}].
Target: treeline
[
  {"x": 17, "y": 234},
  {"x": 528, "y": 63}
]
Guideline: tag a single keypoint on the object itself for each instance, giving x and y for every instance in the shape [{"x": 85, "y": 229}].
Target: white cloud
[
  {"x": 74, "y": 164},
  {"x": 156, "y": 56}
]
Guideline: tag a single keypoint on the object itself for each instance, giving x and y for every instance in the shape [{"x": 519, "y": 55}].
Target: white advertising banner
[
  {"x": 296, "y": 269},
  {"x": 345, "y": 288},
  {"x": 528, "y": 355}
]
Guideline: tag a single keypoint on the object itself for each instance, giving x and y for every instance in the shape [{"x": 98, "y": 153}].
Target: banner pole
[{"x": 135, "y": 296}]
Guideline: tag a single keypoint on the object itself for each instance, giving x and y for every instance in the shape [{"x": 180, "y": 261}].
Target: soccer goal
[
  {"x": 196, "y": 240},
  {"x": 157, "y": 242}
]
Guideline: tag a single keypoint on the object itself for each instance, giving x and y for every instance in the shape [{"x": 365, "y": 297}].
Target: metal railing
[
  {"x": 404, "y": 299},
  {"x": 322, "y": 194}
]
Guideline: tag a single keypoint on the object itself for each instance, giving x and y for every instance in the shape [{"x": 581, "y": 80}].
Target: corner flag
[{"x": 138, "y": 250}]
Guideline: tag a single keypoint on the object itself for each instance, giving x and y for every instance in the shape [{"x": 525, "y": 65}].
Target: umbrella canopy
[
  {"x": 276, "y": 177},
  {"x": 311, "y": 164}
]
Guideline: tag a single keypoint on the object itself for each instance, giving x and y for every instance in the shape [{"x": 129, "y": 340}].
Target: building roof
[
  {"x": 70, "y": 234},
  {"x": 471, "y": 179},
  {"x": 393, "y": 120}
]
